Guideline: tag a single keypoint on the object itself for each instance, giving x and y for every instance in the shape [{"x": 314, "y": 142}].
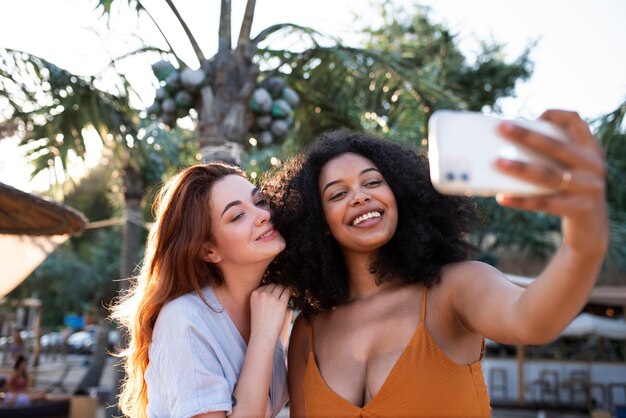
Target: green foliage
[
  {"x": 54, "y": 107},
  {"x": 433, "y": 50},
  {"x": 80, "y": 275},
  {"x": 611, "y": 133},
  {"x": 58, "y": 296},
  {"x": 527, "y": 233},
  {"x": 176, "y": 148},
  {"x": 407, "y": 68}
]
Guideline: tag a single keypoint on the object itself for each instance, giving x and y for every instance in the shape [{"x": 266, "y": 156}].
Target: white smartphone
[{"x": 462, "y": 149}]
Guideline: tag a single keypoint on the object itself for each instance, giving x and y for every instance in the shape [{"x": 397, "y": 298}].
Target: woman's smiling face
[
  {"x": 359, "y": 206},
  {"x": 240, "y": 223}
]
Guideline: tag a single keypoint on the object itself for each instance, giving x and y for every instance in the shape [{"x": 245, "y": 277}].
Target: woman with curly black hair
[{"x": 393, "y": 318}]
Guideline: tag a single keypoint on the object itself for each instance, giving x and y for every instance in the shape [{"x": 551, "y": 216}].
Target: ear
[{"x": 209, "y": 254}]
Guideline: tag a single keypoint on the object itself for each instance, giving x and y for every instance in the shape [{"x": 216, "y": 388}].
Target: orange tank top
[{"x": 423, "y": 382}]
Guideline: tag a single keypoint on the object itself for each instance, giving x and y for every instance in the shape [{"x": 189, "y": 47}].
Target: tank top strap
[
  {"x": 423, "y": 307},
  {"x": 483, "y": 346}
]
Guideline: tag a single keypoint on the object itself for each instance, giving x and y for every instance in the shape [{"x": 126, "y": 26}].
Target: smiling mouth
[
  {"x": 366, "y": 216},
  {"x": 266, "y": 234}
]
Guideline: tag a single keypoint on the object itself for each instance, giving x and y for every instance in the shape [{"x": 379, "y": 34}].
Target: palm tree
[
  {"x": 53, "y": 109},
  {"x": 227, "y": 80}
]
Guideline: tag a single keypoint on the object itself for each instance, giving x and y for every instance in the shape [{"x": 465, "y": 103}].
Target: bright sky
[{"x": 580, "y": 58}]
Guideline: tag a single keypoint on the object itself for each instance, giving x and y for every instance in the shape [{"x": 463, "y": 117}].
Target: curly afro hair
[{"x": 432, "y": 228}]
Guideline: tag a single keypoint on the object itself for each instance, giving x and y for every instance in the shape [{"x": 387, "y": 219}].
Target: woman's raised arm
[{"x": 505, "y": 313}]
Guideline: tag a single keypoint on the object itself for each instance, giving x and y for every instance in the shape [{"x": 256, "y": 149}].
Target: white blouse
[{"x": 195, "y": 358}]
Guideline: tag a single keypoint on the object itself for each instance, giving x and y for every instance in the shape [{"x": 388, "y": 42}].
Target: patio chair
[
  {"x": 50, "y": 386},
  {"x": 498, "y": 382},
  {"x": 545, "y": 389},
  {"x": 612, "y": 388}
]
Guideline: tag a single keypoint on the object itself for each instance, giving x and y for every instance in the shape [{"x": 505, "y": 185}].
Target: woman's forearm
[
  {"x": 252, "y": 391},
  {"x": 558, "y": 294}
]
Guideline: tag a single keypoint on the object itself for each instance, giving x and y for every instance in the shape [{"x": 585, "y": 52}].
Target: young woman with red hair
[{"x": 206, "y": 338}]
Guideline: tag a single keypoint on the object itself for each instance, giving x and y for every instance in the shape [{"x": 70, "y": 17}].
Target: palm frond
[
  {"x": 55, "y": 107},
  {"x": 138, "y": 51},
  {"x": 105, "y": 6},
  {"x": 287, "y": 28}
]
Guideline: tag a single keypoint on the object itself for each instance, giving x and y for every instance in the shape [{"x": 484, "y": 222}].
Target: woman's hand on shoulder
[
  {"x": 580, "y": 180},
  {"x": 268, "y": 305}
]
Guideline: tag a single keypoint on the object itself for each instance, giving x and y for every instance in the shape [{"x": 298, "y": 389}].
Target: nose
[
  {"x": 262, "y": 216},
  {"x": 360, "y": 197}
]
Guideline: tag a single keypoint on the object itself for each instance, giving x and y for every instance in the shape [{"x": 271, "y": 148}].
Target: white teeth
[
  {"x": 365, "y": 217},
  {"x": 267, "y": 234}
]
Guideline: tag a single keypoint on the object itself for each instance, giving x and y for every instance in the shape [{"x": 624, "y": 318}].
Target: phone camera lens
[{"x": 450, "y": 176}]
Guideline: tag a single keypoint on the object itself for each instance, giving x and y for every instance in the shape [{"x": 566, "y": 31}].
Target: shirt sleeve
[
  {"x": 188, "y": 367},
  {"x": 279, "y": 394}
]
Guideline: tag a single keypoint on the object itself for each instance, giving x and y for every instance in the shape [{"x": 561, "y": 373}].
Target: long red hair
[{"x": 171, "y": 267}]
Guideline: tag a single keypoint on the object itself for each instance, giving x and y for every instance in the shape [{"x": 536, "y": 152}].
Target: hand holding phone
[{"x": 463, "y": 148}]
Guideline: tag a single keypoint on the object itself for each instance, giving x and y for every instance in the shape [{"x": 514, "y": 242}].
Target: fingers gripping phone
[{"x": 463, "y": 147}]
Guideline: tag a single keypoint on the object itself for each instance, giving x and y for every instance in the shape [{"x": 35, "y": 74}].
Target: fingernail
[
  {"x": 507, "y": 127},
  {"x": 506, "y": 200},
  {"x": 506, "y": 163}
]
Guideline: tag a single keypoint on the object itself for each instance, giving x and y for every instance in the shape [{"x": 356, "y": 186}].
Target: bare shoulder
[
  {"x": 464, "y": 274},
  {"x": 476, "y": 293},
  {"x": 299, "y": 341},
  {"x": 469, "y": 268},
  {"x": 463, "y": 279}
]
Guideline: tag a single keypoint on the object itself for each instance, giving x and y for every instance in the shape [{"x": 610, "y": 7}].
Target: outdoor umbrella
[{"x": 31, "y": 227}]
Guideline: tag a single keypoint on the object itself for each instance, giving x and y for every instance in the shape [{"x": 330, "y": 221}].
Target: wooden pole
[
  {"x": 624, "y": 316},
  {"x": 6, "y": 357},
  {"x": 520, "y": 354},
  {"x": 37, "y": 332}
]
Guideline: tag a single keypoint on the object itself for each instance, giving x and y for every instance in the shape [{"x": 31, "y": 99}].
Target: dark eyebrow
[
  {"x": 230, "y": 205},
  {"x": 330, "y": 183},
  {"x": 238, "y": 202}
]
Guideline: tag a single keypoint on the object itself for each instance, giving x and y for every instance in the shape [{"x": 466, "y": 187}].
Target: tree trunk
[
  {"x": 135, "y": 188},
  {"x": 224, "y": 118}
]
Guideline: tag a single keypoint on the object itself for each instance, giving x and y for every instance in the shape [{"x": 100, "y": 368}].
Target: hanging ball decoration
[
  {"x": 179, "y": 90},
  {"x": 172, "y": 82},
  {"x": 261, "y": 101},
  {"x": 162, "y": 69},
  {"x": 184, "y": 100},
  {"x": 291, "y": 97},
  {"x": 280, "y": 128},
  {"x": 275, "y": 86},
  {"x": 272, "y": 104},
  {"x": 191, "y": 80},
  {"x": 263, "y": 122},
  {"x": 281, "y": 109},
  {"x": 162, "y": 93},
  {"x": 168, "y": 105}
]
